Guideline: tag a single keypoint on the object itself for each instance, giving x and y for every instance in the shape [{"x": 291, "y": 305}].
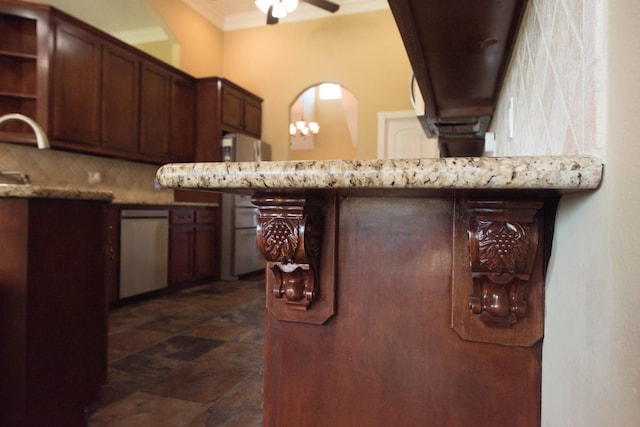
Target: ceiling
[
  {"x": 141, "y": 24},
  {"x": 237, "y": 14}
]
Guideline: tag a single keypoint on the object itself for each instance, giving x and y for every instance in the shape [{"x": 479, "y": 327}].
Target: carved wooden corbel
[
  {"x": 290, "y": 231},
  {"x": 498, "y": 274},
  {"x": 503, "y": 240}
]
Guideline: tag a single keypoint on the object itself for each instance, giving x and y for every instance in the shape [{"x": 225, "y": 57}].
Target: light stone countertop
[
  {"x": 45, "y": 192},
  {"x": 563, "y": 173}
]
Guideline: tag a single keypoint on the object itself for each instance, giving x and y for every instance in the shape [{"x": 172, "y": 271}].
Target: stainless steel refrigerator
[{"x": 239, "y": 248}]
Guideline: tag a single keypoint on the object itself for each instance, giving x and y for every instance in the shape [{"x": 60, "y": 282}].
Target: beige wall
[
  {"x": 200, "y": 41},
  {"x": 363, "y": 53},
  {"x": 168, "y": 52},
  {"x": 574, "y": 82},
  {"x": 334, "y": 140}
]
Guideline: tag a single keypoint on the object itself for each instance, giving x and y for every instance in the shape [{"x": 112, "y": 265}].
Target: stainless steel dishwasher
[{"x": 144, "y": 250}]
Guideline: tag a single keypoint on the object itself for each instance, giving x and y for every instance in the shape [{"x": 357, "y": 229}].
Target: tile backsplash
[
  {"x": 131, "y": 182},
  {"x": 554, "y": 82}
]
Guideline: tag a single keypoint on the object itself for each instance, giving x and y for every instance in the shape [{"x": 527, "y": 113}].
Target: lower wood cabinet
[
  {"x": 193, "y": 245},
  {"x": 53, "y": 311}
]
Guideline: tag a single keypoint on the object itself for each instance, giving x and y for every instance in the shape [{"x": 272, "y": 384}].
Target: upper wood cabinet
[
  {"x": 120, "y": 109},
  {"x": 89, "y": 91},
  {"x": 154, "y": 112},
  {"x": 241, "y": 110},
  {"x": 222, "y": 106},
  {"x": 182, "y": 126},
  {"x": 459, "y": 52},
  {"x": 76, "y": 86}
]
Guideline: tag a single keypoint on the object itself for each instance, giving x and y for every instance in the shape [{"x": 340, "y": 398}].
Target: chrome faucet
[{"x": 41, "y": 137}]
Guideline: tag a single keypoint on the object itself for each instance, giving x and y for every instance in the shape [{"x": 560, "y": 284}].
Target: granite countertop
[
  {"x": 46, "y": 192},
  {"x": 563, "y": 173}
]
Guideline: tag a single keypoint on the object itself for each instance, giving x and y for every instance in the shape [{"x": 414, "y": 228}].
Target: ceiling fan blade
[
  {"x": 327, "y": 5},
  {"x": 270, "y": 18}
]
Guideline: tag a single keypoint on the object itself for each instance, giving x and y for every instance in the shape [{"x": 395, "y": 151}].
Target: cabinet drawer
[
  {"x": 182, "y": 216},
  {"x": 205, "y": 216}
]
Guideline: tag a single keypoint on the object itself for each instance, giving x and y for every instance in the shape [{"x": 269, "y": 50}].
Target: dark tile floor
[{"x": 192, "y": 358}]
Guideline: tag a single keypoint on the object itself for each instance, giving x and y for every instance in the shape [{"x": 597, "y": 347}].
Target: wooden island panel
[
  {"x": 53, "y": 310},
  {"x": 389, "y": 356}
]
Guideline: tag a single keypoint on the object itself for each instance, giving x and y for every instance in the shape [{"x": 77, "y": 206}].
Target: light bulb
[
  {"x": 292, "y": 129},
  {"x": 278, "y": 10},
  {"x": 314, "y": 126},
  {"x": 300, "y": 124}
]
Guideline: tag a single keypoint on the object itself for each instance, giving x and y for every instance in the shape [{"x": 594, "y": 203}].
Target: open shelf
[
  {"x": 19, "y": 34},
  {"x": 18, "y": 75}
]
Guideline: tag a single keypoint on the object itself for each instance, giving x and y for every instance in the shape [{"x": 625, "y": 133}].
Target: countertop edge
[
  {"x": 563, "y": 173},
  {"x": 51, "y": 192}
]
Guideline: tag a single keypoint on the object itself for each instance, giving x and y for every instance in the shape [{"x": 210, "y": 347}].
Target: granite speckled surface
[
  {"x": 566, "y": 173},
  {"x": 46, "y": 192}
]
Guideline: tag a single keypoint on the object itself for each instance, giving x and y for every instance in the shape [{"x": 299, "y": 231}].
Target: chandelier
[
  {"x": 279, "y": 8},
  {"x": 302, "y": 128}
]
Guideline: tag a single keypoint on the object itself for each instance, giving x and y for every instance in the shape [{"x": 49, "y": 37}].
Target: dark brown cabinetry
[
  {"x": 53, "y": 311},
  {"x": 167, "y": 114},
  {"x": 89, "y": 91},
  {"x": 112, "y": 242},
  {"x": 76, "y": 86},
  {"x": 154, "y": 113},
  {"x": 20, "y": 76},
  {"x": 222, "y": 106},
  {"x": 182, "y": 125},
  {"x": 193, "y": 245},
  {"x": 120, "y": 105},
  {"x": 240, "y": 110}
]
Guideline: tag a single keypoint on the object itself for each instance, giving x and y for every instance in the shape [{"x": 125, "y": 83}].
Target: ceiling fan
[{"x": 276, "y": 9}]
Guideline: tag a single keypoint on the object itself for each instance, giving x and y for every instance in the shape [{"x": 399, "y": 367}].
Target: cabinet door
[
  {"x": 120, "y": 90},
  {"x": 154, "y": 113},
  {"x": 208, "y": 126},
  {"x": 205, "y": 263},
  {"x": 205, "y": 252},
  {"x": 253, "y": 116},
  {"x": 182, "y": 142},
  {"x": 232, "y": 113},
  {"x": 76, "y": 85},
  {"x": 181, "y": 254},
  {"x": 112, "y": 239}
]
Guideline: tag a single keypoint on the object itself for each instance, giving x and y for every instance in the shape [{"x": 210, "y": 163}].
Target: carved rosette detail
[
  {"x": 290, "y": 238},
  {"x": 281, "y": 239},
  {"x": 501, "y": 245},
  {"x": 503, "y": 240}
]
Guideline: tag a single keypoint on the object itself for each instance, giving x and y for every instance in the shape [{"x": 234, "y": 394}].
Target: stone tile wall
[
  {"x": 556, "y": 80},
  {"x": 130, "y": 181}
]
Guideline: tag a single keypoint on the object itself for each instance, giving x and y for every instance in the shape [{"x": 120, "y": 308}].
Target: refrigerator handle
[
  {"x": 227, "y": 146},
  {"x": 256, "y": 151}
]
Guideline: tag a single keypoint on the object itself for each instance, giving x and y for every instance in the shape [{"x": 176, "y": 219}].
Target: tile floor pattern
[{"x": 187, "y": 359}]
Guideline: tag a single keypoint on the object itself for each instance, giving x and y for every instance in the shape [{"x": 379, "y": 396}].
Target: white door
[{"x": 400, "y": 136}]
